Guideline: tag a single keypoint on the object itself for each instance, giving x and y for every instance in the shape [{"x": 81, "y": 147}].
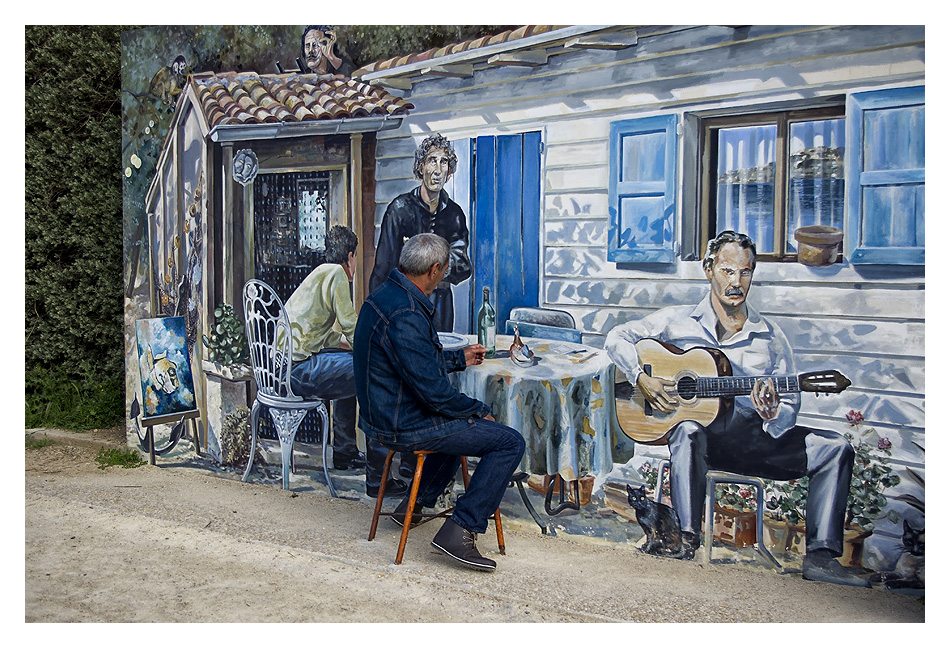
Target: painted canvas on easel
[{"x": 164, "y": 368}]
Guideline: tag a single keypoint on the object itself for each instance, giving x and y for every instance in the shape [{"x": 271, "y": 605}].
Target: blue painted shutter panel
[
  {"x": 642, "y": 190},
  {"x": 885, "y": 177}
]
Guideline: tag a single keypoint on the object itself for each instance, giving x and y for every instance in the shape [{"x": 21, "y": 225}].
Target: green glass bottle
[{"x": 486, "y": 326}]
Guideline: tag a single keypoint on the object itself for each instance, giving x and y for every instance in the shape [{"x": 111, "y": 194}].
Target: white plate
[{"x": 452, "y": 341}]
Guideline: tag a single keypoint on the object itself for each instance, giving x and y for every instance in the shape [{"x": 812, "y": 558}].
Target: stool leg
[
  {"x": 497, "y": 515},
  {"x": 416, "y": 478},
  {"x": 382, "y": 492}
]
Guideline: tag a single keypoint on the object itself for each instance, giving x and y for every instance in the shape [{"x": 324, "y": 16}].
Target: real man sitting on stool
[
  {"x": 758, "y": 435},
  {"x": 407, "y": 402}
]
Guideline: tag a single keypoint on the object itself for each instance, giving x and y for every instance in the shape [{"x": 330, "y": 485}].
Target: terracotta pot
[
  {"x": 854, "y": 537},
  {"x": 818, "y": 244},
  {"x": 783, "y": 537},
  {"x": 733, "y": 527}
]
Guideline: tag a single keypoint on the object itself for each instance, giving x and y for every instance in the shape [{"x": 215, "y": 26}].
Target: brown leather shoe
[{"x": 459, "y": 543}]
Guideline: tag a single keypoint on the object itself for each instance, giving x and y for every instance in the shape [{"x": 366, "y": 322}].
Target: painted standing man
[
  {"x": 317, "y": 45},
  {"x": 427, "y": 208},
  {"x": 758, "y": 435}
]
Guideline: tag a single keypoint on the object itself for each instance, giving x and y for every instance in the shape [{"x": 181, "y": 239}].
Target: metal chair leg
[
  {"x": 255, "y": 417},
  {"x": 325, "y": 418}
]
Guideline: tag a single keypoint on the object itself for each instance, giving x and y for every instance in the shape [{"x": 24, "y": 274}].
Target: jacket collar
[
  {"x": 403, "y": 282},
  {"x": 443, "y": 199},
  {"x": 706, "y": 316}
]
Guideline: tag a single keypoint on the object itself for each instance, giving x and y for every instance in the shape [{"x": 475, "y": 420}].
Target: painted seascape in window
[{"x": 590, "y": 206}]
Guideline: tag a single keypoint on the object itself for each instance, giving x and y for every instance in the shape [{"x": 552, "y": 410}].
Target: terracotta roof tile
[
  {"x": 248, "y": 98},
  {"x": 455, "y": 48}
]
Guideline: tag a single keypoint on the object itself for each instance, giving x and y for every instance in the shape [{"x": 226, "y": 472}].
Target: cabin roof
[{"x": 246, "y": 98}]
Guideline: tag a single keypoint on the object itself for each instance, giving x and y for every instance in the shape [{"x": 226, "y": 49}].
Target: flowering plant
[
  {"x": 650, "y": 475},
  {"x": 871, "y": 473},
  {"x": 785, "y": 500},
  {"x": 735, "y": 496}
]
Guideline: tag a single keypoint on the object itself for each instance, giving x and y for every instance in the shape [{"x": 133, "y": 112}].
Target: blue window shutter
[
  {"x": 642, "y": 190},
  {"x": 885, "y": 177}
]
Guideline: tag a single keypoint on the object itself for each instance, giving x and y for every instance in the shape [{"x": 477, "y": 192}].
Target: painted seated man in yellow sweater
[{"x": 322, "y": 321}]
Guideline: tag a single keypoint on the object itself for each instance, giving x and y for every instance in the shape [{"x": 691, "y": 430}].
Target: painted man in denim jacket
[{"x": 407, "y": 402}]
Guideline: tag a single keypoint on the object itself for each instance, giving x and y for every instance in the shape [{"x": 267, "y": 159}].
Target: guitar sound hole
[{"x": 686, "y": 387}]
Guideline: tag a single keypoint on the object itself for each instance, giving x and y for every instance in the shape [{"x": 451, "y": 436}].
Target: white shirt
[{"x": 758, "y": 349}]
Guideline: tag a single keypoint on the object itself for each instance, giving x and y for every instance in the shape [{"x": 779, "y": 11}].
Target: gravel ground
[{"x": 171, "y": 543}]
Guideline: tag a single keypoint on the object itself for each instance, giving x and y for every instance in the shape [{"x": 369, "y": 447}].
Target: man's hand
[
  {"x": 474, "y": 354},
  {"x": 659, "y": 392},
  {"x": 765, "y": 399}
]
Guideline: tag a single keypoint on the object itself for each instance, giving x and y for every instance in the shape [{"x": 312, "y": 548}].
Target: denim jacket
[{"x": 401, "y": 371}]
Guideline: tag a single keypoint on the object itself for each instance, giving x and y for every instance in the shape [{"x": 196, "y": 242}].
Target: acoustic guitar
[{"x": 704, "y": 385}]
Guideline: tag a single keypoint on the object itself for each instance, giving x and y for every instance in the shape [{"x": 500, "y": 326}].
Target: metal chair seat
[{"x": 271, "y": 348}]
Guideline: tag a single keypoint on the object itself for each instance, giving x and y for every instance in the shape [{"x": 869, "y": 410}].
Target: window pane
[
  {"x": 745, "y": 199},
  {"x": 815, "y": 176},
  {"x": 643, "y": 157}
]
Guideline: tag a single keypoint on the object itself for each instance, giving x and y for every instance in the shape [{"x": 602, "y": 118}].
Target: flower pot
[
  {"x": 226, "y": 392},
  {"x": 854, "y": 537},
  {"x": 818, "y": 244},
  {"x": 783, "y": 537},
  {"x": 733, "y": 527}
]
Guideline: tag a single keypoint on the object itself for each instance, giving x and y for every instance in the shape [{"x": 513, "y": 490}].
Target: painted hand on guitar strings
[{"x": 765, "y": 399}]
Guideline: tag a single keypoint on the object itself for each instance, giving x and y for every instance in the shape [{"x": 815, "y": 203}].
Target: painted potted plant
[
  {"x": 227, "y": 372},
  {"x": 870, "y": 476},
  {"x": 784, "y": 518},
  {"x": 734, "y": 515}
]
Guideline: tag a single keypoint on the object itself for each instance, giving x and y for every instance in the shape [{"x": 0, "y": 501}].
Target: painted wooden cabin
[
  {"x": 254, "y": 171},
  {"x": 597, "y": 161}
]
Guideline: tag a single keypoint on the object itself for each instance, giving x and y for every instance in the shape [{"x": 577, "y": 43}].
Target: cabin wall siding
[{"x": 868, "y": 322}]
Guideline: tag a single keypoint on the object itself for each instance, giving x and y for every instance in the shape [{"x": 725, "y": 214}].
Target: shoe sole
[
  {"x": 400, "y": 520},
  {"x": 467, "y": 563}
]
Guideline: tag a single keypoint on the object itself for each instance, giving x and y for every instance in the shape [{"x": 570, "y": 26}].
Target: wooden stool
[{"x": 413, "y": 491}]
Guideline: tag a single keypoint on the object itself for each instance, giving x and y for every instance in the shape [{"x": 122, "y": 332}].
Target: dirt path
[{"x": 173, "y": 544}]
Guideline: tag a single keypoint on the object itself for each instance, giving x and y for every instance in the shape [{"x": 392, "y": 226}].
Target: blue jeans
[
  {"x": 499, "y": 449},
  {"x": 328, "y": 375}
]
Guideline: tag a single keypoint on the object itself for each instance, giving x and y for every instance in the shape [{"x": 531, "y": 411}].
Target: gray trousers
[{"x": 736, "y": 442}]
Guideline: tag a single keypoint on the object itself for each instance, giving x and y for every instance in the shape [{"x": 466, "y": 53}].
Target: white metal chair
[
  {"x": 547, "y": 323},
  {"x": 714, "y": 477},
  {"x": 271, "y": 349}
]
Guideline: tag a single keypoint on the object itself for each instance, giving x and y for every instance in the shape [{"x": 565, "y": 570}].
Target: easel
[{"x": 181, "y": 417}]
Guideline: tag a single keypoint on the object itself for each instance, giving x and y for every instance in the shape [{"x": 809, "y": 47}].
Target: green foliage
[
  {"x": 32, "y": 443},
  {"x": 227, "y": 343},
  {"x": 73, "y": 294},
  {"x": 127, "y": 458},
  {"x": 236, "y": 438},
  {"x": 82, "y": 400},
  {"x": 785, "y": 500}
]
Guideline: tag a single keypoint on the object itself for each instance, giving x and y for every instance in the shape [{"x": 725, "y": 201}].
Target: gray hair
[
  {"x": 727, "y": 236},
  {"x": 420, "y": 252},
  {"x": 438, "y": 142}
]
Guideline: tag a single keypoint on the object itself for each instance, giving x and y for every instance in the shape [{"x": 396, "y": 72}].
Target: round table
[{"x": 562, "y": 404}]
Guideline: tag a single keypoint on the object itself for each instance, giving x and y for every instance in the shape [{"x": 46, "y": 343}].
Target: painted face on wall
[
  {"x": 435, "y": 170},
  {"x": 730, "y": 275},
  {"x": 313, "y": 44}
]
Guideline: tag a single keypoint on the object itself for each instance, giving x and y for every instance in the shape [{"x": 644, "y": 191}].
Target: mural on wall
[{"x": 585, "y": 203}]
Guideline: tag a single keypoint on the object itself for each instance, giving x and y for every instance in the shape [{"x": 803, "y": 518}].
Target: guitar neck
[{"x": 725, "y": 386}]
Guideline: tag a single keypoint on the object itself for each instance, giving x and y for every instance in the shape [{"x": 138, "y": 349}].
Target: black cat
[
  {"x": 659, "y": 522},
  {"x": 909, "y": 570}
]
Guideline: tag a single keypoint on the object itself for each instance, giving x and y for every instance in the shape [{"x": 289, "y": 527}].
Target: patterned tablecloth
[{"x": 563, "y": 405}]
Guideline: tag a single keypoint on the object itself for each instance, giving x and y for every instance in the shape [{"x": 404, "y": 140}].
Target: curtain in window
[
  {"x": 745, "y": 200},
  {"x": 816, "y": 176}
]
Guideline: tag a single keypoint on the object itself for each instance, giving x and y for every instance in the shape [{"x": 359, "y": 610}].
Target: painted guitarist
[{"x": 758, "y": 435}]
